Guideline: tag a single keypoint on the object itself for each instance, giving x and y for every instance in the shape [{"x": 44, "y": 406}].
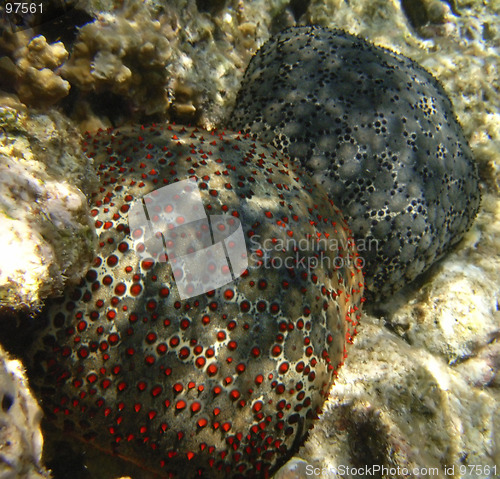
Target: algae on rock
[{"x": 46, "y": 235}]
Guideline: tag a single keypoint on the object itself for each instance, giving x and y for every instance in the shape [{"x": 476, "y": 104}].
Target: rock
[
  {"x": 31, "y": 69},
  {"x": 401, "y": 408},
  {"x": 20, "y": 435},
  {"x": 46, "y": 233}
]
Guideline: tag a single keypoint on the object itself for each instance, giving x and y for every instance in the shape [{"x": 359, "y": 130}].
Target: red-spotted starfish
[{"x": 225, "y": 383}]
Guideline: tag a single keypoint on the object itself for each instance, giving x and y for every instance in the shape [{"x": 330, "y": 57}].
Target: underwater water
[{"x": 223, "y": 263}]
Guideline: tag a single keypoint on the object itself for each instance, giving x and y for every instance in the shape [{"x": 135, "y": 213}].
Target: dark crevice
[
  {"x": 299, "y": 7},
  {"x": 210, "y": 6},
  {"x": 7, "y": 402}
]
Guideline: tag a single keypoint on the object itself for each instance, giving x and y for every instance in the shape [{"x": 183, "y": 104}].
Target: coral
[
  {"x": 171, "y": 60},
  {"x": 220, "y": 384},
  {"x": 426, "y": 14},
  {"x": 123, "y": 54},
  {"x": 31, "y": 68},
  {"x": 39, "y": 85},
  {"x": 46, "y": 235},
  {"x": 378, "y": 132},
  {"x": 39, "y": 54},
  {"x": 20, "y": 417}
]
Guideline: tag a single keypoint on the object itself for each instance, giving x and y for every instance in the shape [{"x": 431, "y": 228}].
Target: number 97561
[{"x": 23, "y": 8}]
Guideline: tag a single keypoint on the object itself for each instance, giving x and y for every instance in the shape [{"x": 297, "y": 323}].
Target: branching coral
[
  {"x": 31, "y": 68},
  {"x": 126, "y": 54}
]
